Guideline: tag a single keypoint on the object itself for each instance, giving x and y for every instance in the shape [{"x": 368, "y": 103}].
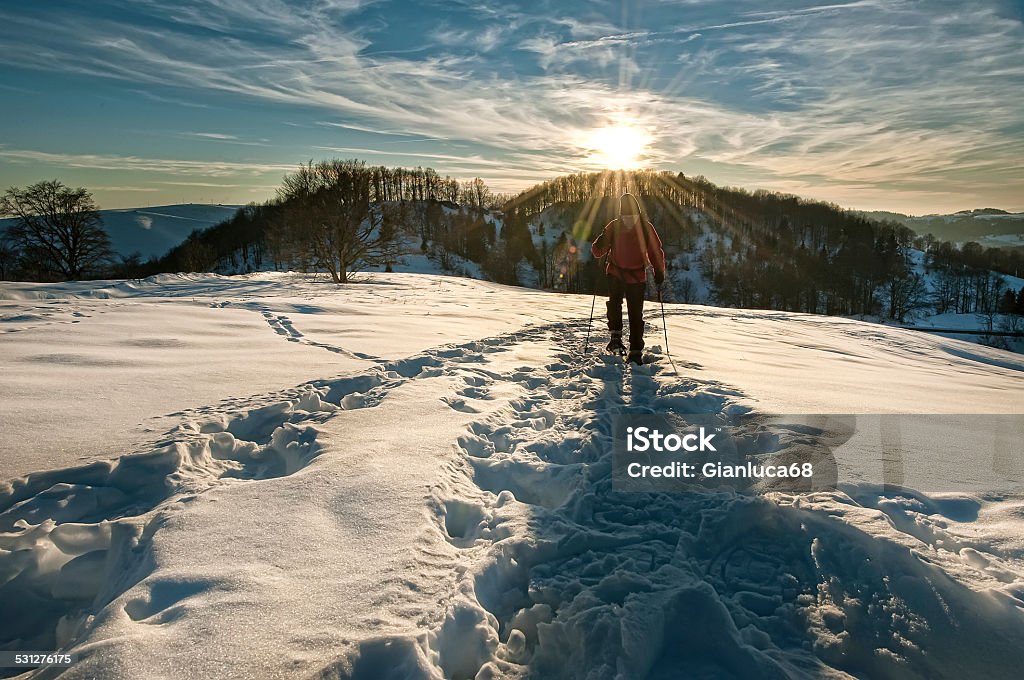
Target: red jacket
[{"x": 631, "y": 252}]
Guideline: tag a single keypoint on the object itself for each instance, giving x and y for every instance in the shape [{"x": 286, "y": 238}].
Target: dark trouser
[{"x": 634, "y": 294}]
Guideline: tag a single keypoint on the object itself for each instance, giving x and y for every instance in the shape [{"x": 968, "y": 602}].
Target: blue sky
[{"x": 916, "y": 106}]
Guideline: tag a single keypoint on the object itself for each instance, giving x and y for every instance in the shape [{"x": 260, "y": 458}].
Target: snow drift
[{"x": 432, "y": 495}]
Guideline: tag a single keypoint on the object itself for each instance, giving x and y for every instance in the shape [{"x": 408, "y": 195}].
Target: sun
[{"x": 616, "y": 147}]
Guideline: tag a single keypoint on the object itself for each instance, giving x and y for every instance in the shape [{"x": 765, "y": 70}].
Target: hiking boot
[{"x": 615, "y": 345}]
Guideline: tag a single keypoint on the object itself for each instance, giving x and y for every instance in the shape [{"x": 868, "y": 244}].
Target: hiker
[{"x": 632, "y": 245}]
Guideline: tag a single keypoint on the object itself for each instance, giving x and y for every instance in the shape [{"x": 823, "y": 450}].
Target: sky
[{"x": 915, "y": 106}]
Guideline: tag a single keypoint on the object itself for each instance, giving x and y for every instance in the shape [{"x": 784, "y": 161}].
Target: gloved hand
[{"x": 659, "y": 278}]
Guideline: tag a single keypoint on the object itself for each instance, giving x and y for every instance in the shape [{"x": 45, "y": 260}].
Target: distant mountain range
[
  {"x": 155, "y": 230},
  {"x": 988, "y": 226}
]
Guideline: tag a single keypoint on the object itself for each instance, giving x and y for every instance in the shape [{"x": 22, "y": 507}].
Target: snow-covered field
[{"x": 269, "y": 476}]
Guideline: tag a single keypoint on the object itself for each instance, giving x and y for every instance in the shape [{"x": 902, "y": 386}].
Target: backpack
[{"x": 645, "y": 244}]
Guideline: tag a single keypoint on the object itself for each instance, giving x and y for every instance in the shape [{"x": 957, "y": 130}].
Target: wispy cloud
[
  {"x": 151, "y": 96},
  {"x": 464, "y": 159},
  {"x": 858, "y": 100},
  {"x": 14, "y": 88},
  {"x": 483, "y": 39},
  {"x": 212, "y": 135},
  {"x": 145, "y": 165},
  {"x": 217, "y": 185},
  {"x": 223, "y": 137},
  {"x": 124, "y": 188}
]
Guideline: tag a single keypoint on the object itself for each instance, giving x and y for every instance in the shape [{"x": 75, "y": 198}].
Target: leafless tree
[
  {"x": 58, "y": 230},
  {"x": 906, "y": 294},
  {"x": 476, "y": 194},
  {"x": 685, "y": 291},
  {"x": 329, "y": 207}
]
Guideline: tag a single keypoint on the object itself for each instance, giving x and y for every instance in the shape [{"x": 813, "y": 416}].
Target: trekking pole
[
  {"x": 664, "y": 327},
  {"x": 590, "y": 323},
  {"x": 593, "y": 301}
]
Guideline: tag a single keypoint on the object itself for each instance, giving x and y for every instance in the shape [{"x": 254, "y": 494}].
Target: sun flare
[{"x": 617, "y": 147}]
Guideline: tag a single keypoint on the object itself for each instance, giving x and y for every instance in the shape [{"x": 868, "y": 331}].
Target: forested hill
[
  {"x": 769, "y": 250},
  {"x": 987, "y": 226},
  {"x": 726, "y": 246}
]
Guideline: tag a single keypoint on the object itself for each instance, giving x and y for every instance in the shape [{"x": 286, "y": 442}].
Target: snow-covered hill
[
  {"x": 155, "y": 230},
  {"x": 990, "y": 227},
  {"x": 687, "y": 280},
  {"x": 273, "y": 476}
]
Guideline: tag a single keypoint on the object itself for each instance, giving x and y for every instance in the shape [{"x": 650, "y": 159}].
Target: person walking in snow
[{"x": 631, "y": 244}]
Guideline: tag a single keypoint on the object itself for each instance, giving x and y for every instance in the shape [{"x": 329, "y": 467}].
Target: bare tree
[
  {"x": 329, "y": 207},
  {"x": 58, "y": 230},
  {"x": 393, "y": 225},
  {"x": 476, "y": 194},
  {"x": 906, "y": 294},
  {"x": 685, "y": 291}
]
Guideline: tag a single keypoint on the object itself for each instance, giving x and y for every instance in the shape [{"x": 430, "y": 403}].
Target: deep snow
[{"x": 410, "y": 477}]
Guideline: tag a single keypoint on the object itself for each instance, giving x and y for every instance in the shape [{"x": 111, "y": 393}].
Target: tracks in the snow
[
  {"x": 578, "y": 580},
  {"x": 68, "y": 534},
  {"x": 50, "y": 312},
  {"x": 283, "y": 326},
  {"x": 562, "y": 575},
  {"x": 548, "y": 532}
]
